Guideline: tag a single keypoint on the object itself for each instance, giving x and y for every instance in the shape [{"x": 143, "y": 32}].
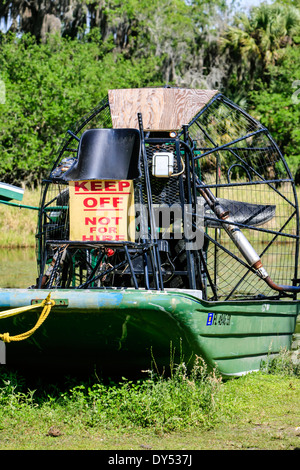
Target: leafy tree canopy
[
  {"x": 58, "y": 59},
  {"x": 49, "y": 86}
]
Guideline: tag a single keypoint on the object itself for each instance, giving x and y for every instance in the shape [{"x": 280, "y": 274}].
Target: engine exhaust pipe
[{"x": 241, "y": 242}]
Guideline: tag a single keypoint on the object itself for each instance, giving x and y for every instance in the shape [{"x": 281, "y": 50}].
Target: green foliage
[
  {"x": 53, "y": 80},
  {"x": 277, "y": 105},
  {"x": 257, "y": 40},
  {"x": 264, "y": 57},
  {"x": 283, "y": 364},
  {"x": 48, "y": 87},
  {"x": 13, "y": 393},
  {"x": 163, "y": 404},
  {"x": 183, "y": 411}
]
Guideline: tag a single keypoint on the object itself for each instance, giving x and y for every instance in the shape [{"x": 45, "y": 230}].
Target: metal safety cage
[
  {"x": 157, "y": 259},
  {"x": 54, "y": 202},
  {"x": 169, "y": 199},
  {"x": 65, "y": 263},
  {"x": 223, "y": 161},
  {"x": 241, "y": 169}
]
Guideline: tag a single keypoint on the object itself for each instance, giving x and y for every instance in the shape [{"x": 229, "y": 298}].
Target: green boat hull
[{"x": 129, "y": 331}]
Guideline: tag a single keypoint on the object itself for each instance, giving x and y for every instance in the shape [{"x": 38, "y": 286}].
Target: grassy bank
[
  {"x": 257, "y": 411},
  {"x": 195, "y": 412},
  {"x": 18, "y": 226}
]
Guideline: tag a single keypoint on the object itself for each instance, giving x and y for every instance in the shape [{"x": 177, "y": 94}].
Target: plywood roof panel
[{"x": 161, "y": 108}]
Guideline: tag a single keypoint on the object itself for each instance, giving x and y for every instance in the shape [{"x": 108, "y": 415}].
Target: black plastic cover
[
  {"x": 240, "y": 212},
  {"x": 106, "y": 154}
]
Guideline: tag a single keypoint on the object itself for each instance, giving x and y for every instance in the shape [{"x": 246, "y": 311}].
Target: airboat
[{"x": 168, "y": 229}]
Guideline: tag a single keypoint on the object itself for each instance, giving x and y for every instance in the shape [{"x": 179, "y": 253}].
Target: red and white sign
[{"x": 101, "y": 210}]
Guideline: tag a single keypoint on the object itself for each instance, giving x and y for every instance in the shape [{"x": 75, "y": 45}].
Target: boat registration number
[{"x": 219, "y": 319}]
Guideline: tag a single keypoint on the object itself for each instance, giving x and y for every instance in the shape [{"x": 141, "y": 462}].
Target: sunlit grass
[
  {"x": 183, "y": 411},
  {"x": 18, "y": 226}
]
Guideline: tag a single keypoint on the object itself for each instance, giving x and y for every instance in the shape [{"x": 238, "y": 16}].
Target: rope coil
[{"x": 46, "y": 303}]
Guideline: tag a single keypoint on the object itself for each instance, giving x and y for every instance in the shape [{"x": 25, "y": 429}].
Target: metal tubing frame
[
  {"x": 226, "y": 147},
  {"x": 154, "y": 254}
]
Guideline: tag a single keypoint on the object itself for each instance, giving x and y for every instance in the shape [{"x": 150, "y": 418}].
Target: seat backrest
[{"x": 107, "y": 154}]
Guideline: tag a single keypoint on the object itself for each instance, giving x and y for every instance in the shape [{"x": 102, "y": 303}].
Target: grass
[
  {"x": 182, "y": 412},
  {"x": 18, "y": 226}
]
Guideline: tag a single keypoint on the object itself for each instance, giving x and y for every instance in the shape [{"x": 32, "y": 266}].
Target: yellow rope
[{"x": 47, "y": 304}]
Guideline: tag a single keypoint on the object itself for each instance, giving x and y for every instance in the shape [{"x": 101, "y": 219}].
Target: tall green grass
[
  {"x": 178, "y": 403},
  {"x": 162, "y": 404},
  {"x": 286, "y": 363},
  {"x": 18, "y": 225}
]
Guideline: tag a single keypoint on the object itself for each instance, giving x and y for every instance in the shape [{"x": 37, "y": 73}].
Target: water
[{"x": 18, "y": 267}]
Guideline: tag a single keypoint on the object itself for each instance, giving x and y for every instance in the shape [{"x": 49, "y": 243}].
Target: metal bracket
[
  {"x": 58, "y": 302},
  {"x": 2, "y": 352}
]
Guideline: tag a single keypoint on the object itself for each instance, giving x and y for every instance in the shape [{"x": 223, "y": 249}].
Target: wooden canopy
[{"x": 163, "y": 109}]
